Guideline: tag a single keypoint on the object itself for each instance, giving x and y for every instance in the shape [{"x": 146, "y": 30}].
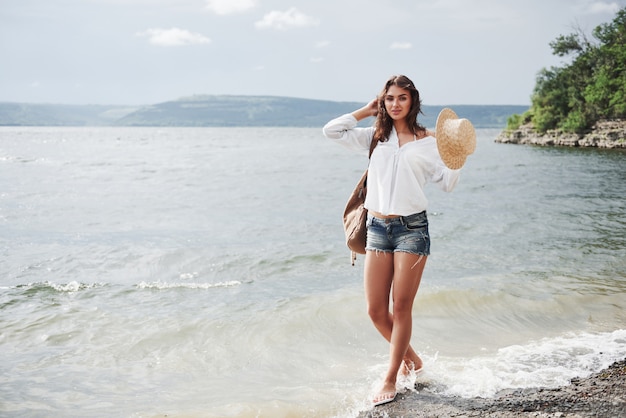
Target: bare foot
[
  {"x": 387, "y": 394},
  {"x": 410, "y": 365},
  {"x": 405, "y": 369},
  {"x": 418, "y": 364}
]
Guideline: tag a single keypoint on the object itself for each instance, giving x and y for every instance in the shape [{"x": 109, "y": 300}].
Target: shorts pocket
[{"x": 418, "y": 223}]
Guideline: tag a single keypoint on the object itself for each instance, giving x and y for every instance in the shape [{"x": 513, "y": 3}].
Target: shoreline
[
  {"x": 604, "y": 134},
  {"x": 602, "y": 394}
]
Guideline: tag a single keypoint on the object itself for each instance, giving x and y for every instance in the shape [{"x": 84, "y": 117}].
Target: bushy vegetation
[{"x": 592, "y": 87}]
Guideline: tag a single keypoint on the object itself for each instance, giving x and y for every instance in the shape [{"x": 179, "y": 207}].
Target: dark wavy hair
[{"x": 384, "y": 123}]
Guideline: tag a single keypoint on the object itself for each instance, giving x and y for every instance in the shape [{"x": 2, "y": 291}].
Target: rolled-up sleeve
[
  {"x": 434, "y": 168},
  {"x": 450, "y": 179},
  {"x": 344, "y": 131}
]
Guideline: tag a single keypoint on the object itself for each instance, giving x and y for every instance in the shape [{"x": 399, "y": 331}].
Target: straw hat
[{"x": 456, "y": 138}]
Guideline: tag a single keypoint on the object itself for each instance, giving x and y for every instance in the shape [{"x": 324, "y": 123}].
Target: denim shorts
[{"x": 407, "y": 234}]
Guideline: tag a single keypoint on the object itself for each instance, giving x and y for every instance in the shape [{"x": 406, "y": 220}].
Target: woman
[{"x": 404, "y": 159}]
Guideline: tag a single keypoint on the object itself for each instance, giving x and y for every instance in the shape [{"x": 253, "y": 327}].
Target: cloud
[
  {"x": 316, "y": 60},
  {"x": 599, "y": 7},
  {"x": 292, "y": 18},
  {"x": 322, "y": 44},
  {"x": 173, "y": 37},
  {"x": 226, "y": 7},
  {"x": 401, "y": 45}
]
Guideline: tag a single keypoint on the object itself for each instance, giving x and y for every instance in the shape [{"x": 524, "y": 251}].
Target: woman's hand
[
  {"x": 370, "y": 109},
  {"x": 373, "y": 107}
]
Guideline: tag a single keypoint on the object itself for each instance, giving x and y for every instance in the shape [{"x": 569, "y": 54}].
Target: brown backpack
[{"x": 355, "y": 215}]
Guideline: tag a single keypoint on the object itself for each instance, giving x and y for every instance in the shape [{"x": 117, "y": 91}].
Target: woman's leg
[
  {"x": 407, "y": 275},
  {"x": 378, "y": 282},
  {"x": 380, "y": 274}
]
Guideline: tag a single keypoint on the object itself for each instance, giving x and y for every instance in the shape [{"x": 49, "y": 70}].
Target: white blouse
[{"x": 397, "y": 174}]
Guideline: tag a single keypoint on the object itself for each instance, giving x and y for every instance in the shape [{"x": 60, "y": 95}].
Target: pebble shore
[{"x": 600, "y": 395}]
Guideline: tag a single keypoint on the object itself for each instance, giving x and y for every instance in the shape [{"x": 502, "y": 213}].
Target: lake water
[{"x": 201, "y": 272}]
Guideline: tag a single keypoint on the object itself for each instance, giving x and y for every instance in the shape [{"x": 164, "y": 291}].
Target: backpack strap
[
  {"x": 363, "y": 189},
  {"x": 372, "y": 146}
]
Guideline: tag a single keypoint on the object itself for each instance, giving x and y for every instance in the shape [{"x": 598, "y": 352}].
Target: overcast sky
[{"x": 150, "y": 51}]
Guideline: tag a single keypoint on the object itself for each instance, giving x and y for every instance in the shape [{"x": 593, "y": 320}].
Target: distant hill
[
  {"x": 225, "y": 110},
  {"x": 238, "y": 111},
  {"x": 28, "y": 114}
]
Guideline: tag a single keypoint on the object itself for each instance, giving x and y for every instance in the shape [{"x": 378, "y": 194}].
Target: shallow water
[{"x": 202, "y": 272}]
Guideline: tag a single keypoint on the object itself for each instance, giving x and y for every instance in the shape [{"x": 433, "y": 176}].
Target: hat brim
[{"x": 454, "y": 151}]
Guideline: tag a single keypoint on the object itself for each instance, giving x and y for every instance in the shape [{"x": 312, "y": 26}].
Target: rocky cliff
[{"x": 604, "y": 134}]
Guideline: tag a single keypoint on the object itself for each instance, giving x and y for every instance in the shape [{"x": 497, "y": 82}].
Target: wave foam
[
  {"x": 70, "y": 287},
  {"x": 549, "y": 363},
  {"x": 191, "y": 285}
]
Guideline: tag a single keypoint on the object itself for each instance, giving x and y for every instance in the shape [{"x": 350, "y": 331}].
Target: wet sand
[{"x": 600, "y": 395}]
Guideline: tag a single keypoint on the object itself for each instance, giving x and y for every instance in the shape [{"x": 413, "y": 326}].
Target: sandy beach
[{"x": 600, "y": 395}]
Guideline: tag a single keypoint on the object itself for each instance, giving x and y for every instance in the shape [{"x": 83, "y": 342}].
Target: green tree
[
  {"x": 574, "y": 97},
  {"x": 608, "y": 91}
]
